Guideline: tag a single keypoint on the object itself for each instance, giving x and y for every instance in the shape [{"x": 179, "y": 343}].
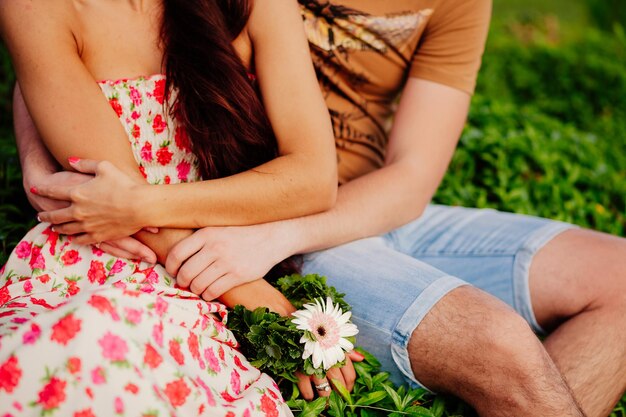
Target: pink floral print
[{"x": 86, "y": 334}]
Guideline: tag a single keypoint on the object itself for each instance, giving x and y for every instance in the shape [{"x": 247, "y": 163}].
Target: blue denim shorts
[{"x": 392, "y": 281}]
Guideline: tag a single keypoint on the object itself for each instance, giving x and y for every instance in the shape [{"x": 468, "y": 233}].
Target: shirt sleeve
[{"x": 453, "y": 43}]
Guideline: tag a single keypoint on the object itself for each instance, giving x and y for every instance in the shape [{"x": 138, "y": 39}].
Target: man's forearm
[
  {"x": 368, "y": 206},
  {"x": 31, "y": 150},
  {"x": 425, "y": 132}
]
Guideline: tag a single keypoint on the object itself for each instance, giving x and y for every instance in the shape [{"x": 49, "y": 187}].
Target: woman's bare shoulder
[{"x": 33, "y": 14}]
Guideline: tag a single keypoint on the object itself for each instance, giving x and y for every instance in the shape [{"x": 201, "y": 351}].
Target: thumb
[{"x": 86, "y": 166}]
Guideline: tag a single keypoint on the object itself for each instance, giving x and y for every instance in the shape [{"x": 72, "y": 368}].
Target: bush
[
  {"x": 523, "y": 161},
  {"x": 582, "y": 82},
  {"x": 606, "y": 13}
]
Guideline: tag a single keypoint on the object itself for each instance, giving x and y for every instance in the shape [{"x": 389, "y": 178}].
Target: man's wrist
[{"x": 291, "y": 236}]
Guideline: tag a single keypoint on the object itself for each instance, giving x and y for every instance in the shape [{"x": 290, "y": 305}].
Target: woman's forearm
[
  {"x": 256, "y": 294},
  {"x": 284, "y": 188}
]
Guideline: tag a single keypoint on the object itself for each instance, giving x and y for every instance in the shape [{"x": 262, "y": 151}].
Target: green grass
[{"x": 546, "y": 136}]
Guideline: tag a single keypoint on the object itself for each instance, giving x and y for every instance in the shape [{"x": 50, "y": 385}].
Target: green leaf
[
  {"x": 336, "y": 405},
  {"x": 372, "y": 397},
  {"x": 379, "y": 378},
  {"x": 417, "y": 411},
  {"x": 297, "y": 404},
  {"x": 369, "y": 358},
  {"x": 438, "y": 407},
  {"x": 411, "y": 397},
  {"x": 342, "y": 390},
  {"x": 314, "y": 408},
  {"x": 397, "y": 401},
  {"x": 363, "y": 368},
  {"x": 367, "y": 380}
]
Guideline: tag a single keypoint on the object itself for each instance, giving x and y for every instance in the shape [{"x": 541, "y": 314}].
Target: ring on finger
[{"x": 324, "y": 386}]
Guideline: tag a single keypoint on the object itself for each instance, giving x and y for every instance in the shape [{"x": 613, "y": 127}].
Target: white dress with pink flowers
[{"x": 84, "y": 334}]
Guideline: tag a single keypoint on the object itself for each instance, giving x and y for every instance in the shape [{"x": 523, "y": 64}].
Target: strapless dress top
[{"x": 160, "y": 145}]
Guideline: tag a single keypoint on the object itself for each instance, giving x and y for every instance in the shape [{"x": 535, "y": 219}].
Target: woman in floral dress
[{"x": 85, "y": 333}]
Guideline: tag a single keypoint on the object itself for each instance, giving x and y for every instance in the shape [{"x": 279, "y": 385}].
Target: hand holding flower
[
  {"x": 308, "y": 348},
  {"x": 325, "y": 340},
  {"x": 326, "y": 329}
]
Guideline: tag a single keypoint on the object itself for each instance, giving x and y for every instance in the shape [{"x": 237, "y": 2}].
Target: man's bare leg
[
  {"x": 476, "y": 347},
  {"x": 578, "y": 288}
]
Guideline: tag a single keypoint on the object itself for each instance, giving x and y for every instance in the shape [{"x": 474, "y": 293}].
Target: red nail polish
[
  {"x": 73, "y": 159},
  {"x": 358, "y": 355},
  {"x": 34, "y": 190}
]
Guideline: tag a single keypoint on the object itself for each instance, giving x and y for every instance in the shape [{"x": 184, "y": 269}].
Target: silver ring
[{"x": 324, "y": 386}]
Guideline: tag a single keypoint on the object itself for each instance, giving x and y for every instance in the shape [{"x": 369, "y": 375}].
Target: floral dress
[{"x": 84, "y": 333}]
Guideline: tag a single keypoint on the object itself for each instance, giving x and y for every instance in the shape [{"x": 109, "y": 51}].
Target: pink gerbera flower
[{"x": 326, "y": 330}]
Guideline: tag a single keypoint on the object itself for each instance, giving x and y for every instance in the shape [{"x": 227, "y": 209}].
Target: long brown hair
[{"x": 216, "y": 104}]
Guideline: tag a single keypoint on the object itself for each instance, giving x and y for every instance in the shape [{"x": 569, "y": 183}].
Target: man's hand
[
  {"x": 215, "y": 259},
  {"x": 100, "y": 209},
  {"x": 129, "y": 248},
  {"x": 48, "y": 180}
]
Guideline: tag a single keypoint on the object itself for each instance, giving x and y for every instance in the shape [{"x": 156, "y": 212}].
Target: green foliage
[
  {"x": 606, "y": 13},
  {"x": 302, "y": 289},
  {"x": 375, "y": 396},
  {"x": 582, "y": 82},
  {"x": 270, "y": 341},
  {"x": 523, "y": 161}
]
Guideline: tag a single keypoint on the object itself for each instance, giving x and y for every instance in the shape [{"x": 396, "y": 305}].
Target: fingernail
[
  {"x": 34, "y": 190},
  {"x": 73, "y": 159},
  {"x": 38, "y": 218},
  {"x": 358, "y": 355},
  {"x": 52, "y": 228}
]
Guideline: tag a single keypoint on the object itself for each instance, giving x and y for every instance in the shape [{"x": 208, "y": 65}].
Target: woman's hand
[
  {"x": 259, "y": 293},
  {"x": 345, "y": 376},
  {"x": 102, "y": 209},
  {"x": 216, "y": 259}
]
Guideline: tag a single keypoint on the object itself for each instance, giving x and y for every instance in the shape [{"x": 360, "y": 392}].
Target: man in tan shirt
[{"x": 430, "y": 285}]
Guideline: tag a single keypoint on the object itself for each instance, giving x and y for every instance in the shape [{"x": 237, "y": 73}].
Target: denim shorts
[{"x": 392, "y": 281}]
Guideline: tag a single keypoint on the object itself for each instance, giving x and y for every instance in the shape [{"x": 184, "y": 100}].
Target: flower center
[{"x": 325, "y": 329}]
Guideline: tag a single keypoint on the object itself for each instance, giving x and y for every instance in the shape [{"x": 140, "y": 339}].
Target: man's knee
[
  {"x": 474, "y": 340},
  {"x": 579, "y": 270}
]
